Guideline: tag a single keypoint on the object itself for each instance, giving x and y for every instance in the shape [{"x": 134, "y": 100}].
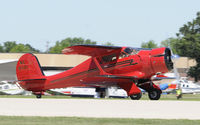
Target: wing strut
[{"x": 102, "y": 72}]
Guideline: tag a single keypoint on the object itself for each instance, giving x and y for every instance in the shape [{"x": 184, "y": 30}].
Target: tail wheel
[
  {"x": 154, "y": 95},
  {"x": 136, "y": 96},
  {"x": 38, "y": 96}
]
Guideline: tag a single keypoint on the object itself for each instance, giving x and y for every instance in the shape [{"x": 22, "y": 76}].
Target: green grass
[
  {"x": 18, "y": 120},
  {"x": 186, "y": 97}
]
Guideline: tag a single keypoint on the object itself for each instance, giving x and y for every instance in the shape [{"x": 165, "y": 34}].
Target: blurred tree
[
  {"x": 9, "y": 45},
  {"x": 12, "y": 46},
  {"x": 189, "y": 44},
  {"x": 1, "y": 48},
  {"x": 108, "y": 44},
  {"x": 57, "y": 48},
  {"x": 194, "y": 72},
  {"x": 69, "y": 42},
  {"x": 32, "y": 49},
  {"x": 150, "y": 44},
  {"x": 20, "y": 48},
  {"x": 171, "y": 43}
]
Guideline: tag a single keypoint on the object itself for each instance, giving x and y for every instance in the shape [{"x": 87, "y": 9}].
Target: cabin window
[
  {"x": 187, "y": 85},
  {"x": 131, "y": 51},
  {"x": 127, "y": 52},
  {"x": 6, "y": 87},
  {"x": 122, "y": 55},
  {"x": 109, "y": 58}
]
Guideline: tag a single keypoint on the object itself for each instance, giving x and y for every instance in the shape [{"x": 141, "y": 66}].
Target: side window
[
  {"x": 128, "y": 50},
  {"x": 6, "y": 87},
  {"x": 122, "y": 55},
  {"x": 131, "y": 51},
  {"x": 109, "y": 58}
]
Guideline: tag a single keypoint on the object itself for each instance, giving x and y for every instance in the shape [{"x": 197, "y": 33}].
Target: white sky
[{"x": 122, "y": 22}]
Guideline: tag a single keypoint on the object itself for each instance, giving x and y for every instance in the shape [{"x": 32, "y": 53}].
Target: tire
[
  {"x": 136, "y": 96},
  {"x": 39, "y": 96},
  {"x": 154, "y": 95}
]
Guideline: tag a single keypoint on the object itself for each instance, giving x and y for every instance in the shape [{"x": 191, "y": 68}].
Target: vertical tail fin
[{"x": 28, "y": 68}]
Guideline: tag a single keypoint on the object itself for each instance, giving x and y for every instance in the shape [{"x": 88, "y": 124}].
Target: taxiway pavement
[{"x": 100, "y": 108}]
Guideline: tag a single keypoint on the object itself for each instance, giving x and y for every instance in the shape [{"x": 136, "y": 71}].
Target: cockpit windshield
[{"x": 131, "y": 51}]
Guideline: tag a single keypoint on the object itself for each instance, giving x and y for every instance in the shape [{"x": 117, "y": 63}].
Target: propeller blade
[{"x": 175, "y": 57}]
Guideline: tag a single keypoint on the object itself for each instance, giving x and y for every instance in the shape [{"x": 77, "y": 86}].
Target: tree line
[
  {"x": 186, "y": 43},
  {"x": 13, "y": 47}
]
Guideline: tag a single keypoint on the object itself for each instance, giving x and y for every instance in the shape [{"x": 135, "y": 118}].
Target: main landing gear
[
  {"x": 154, "y": 91},
  {"x": 153, "y": 95}
]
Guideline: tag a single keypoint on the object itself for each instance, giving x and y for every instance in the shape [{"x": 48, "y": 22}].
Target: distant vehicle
[
  {"x": 10, "y": 89},
  {"x": 74, "y": 91},
  {"x": 114, "y": 92},
  {"x": 186, "y": 86},
  {"x": 111, "y": 92}
]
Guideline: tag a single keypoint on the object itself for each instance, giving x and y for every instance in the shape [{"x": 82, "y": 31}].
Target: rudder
[{"x": 28, "y": 68}]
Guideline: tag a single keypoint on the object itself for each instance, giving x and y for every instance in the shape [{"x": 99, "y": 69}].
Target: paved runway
[{"x": 100, "y": 108}]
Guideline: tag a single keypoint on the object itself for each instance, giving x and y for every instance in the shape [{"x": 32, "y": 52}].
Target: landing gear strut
[
  {"x": 154, "y": 91},
  {"x": 136, "y": 96}
]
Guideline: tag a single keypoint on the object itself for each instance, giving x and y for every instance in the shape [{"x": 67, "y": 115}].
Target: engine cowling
[{"x": 161, "y": 60}]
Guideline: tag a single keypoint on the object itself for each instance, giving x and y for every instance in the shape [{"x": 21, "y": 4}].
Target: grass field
[
  {"x": 17, "y": 120},
  {"x": 186, "y": 97}
]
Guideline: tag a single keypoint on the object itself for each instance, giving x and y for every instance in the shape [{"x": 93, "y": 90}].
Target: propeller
[{"x": 175, "y": 57}]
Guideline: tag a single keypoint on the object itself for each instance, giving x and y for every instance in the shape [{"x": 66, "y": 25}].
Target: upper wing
[{"x": 91, "y": 50}]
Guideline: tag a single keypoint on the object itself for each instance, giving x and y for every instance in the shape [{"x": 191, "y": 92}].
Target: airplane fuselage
[{"x": 128, "y": 68}]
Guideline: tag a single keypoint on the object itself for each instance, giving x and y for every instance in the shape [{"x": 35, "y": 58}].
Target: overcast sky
[{"x": 122, "y": 22}]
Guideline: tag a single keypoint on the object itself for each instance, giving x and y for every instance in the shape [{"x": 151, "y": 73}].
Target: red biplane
[{"x": 125, "y": 67}]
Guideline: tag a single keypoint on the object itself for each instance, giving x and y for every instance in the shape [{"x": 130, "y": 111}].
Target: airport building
[{"x": 59, "y": 62}]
